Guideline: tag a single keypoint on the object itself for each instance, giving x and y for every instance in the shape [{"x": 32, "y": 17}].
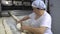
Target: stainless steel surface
[
  {"x": 16, "y": 12},
  {"x": 4, "y": 14},
  {"x": 17, "y": 3},
  {"x": 26, "y": 3}
]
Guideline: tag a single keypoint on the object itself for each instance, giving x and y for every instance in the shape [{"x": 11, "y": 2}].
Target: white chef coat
[{"x": 44, "y": 20}]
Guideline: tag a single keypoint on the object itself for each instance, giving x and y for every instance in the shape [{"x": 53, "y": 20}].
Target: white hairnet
[{"x": 39, "y": 4}]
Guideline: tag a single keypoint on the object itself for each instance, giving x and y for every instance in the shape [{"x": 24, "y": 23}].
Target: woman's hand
[
  {"x": 25, "y": 27},
  {"x": 19, "y": 21}
]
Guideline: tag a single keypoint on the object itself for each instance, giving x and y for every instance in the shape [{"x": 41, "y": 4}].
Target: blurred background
[{"x": 21, "y": 8}]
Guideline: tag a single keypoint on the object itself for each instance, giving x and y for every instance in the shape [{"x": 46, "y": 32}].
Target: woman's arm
[
  {"x": 25, "y": 18},
  {"x": 40, "y": 30}
]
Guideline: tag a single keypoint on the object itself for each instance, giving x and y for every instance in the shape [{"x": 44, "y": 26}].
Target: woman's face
[
  {"x": 35, "y": 10},
  {"x": 38, "y": 11}
]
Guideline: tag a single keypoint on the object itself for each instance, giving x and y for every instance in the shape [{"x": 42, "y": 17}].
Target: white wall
[{"x": 55, "y": 13}]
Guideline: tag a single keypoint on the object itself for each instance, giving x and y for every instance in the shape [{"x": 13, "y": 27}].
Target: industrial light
[{"x": 7, "y": 2}]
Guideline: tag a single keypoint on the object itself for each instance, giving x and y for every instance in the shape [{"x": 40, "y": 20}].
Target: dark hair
[{"x": 40, "y": 9}]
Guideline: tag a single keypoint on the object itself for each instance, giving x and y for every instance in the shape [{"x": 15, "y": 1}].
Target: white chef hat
[{"x": 39, "y": 4}]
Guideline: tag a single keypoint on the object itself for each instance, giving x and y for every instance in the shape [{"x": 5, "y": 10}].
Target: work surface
[{"x": 8, "y": 25}]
